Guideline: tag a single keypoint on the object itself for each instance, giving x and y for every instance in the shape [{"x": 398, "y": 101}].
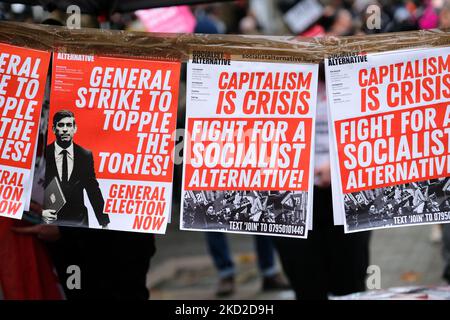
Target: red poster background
[
  {"x": 11, "y": 89},
  {"x": 290, "y": 132},
  {"x": 395, "y": 132},
  {"x": 90, "y": 133}
]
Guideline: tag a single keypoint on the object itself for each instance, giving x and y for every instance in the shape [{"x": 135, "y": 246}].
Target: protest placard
[
  {"x": 22, "y": 84},
  {"x": 248, "y": 148},
  {"x": 390, "y": 117},
  {"x": 111, "y": 142}
]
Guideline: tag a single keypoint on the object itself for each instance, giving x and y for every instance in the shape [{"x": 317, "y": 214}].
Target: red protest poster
[
  {"x": 110, "y": 142},
  {"x": 22, "y": 84},
  {"x": 248, "y": 152},
  {"x": 391, "y": 129}
]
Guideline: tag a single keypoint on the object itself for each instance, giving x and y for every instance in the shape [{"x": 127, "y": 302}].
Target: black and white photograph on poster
[
  {"x": 250, "y": 163},
  {"x": 413, "y": 203},
  {"x": 261, "y": 212}
]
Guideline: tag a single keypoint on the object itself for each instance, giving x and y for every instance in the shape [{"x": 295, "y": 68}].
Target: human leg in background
[
  {"x": 328, "y": 261},
  {"x": 303, "y": 266},
  {"x": 349, "y": 261},
  {"x": 220, "y": 253},
  {"x": 265, "y": 251}
]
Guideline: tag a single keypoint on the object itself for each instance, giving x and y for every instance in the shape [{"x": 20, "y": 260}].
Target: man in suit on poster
[{"x": 73, "y": 167}]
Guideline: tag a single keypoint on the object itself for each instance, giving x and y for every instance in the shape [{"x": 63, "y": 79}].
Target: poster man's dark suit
[
  {"x": 82, "y": 178},
  {"x": 101, "y": 255}
]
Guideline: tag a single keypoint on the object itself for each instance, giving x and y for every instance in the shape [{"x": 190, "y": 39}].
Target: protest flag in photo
[
  {"x": 390, "y": 116},
  {"x": 22, "y": 84},
  {"x": 248, "y": 146},
  {"x": 110, "y": 142}
]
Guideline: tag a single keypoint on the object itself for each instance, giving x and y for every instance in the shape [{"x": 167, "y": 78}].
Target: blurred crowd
[{"x": 274, "y": 17}]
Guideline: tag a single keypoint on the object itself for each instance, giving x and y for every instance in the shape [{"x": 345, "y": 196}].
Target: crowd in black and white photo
[{"x": 378, "y": 207}]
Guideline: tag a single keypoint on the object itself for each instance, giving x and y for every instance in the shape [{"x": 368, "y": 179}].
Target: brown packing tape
[
  {"x": 178, "y": 46},
  {"x": 25, "y": 35},
  {"x": 386, "y": 42}
]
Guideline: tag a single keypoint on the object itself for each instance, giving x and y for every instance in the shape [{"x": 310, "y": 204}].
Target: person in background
[
  {"x": 26, "y": 267},
  {"x": 328, "y": 262},
  {"x": 444, "y": 16},
  {"x": 217, "y": 242},
  {"x": 26, "y": 270},
  {"x": 218, "y": 248}
]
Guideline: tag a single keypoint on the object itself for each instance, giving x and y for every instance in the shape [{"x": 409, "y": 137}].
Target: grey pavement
[
  {"x": 182, "y": 268},
  {"x": 406, "y": 256}
]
